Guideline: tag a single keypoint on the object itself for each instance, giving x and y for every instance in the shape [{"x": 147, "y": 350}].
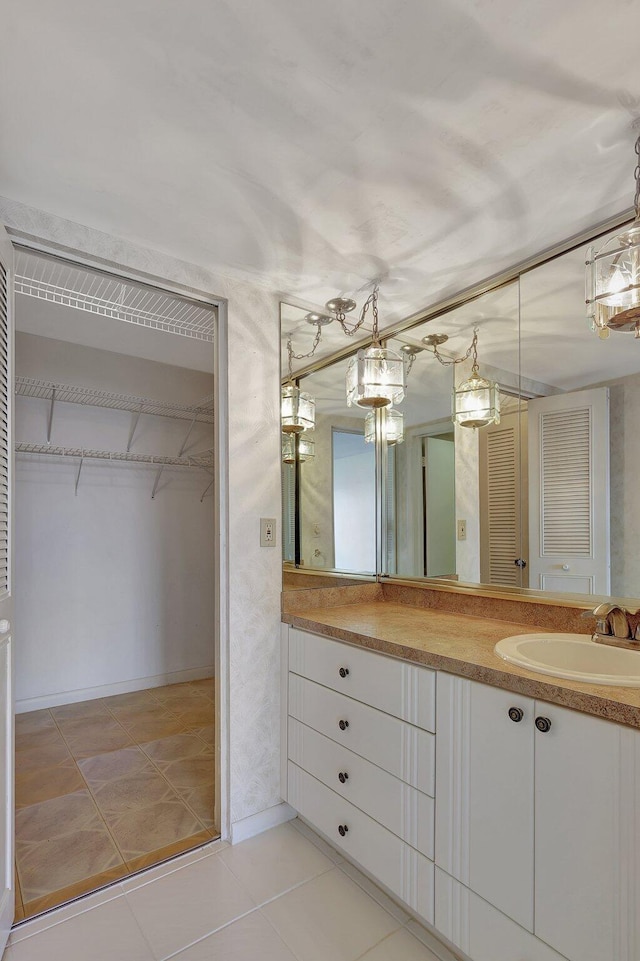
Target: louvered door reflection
[
  {"x": 503, "y": 502},
  {"x": 569, "y": 492}
]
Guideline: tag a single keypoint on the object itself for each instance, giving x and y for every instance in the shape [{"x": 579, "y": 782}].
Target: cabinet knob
[
  {"x": 516, "y": 714},
  {"x": 343, "y": 672},
  {"x": 343, "y": 776},
  {"x": 543, "y": 724},
  {"x": 343, "y": 725},
  {"x": 342, "y": 830}
]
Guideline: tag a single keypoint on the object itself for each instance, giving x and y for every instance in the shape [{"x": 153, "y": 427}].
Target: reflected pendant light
[
  {"x": 306, "y": 448},
  {"x": 613, "y": 276},
  {"x": 476, "y": 402},
  {"x": 376, "y": 375},
  {"x": 298, "y": 410},
  {"x": 392, "y": 427}
]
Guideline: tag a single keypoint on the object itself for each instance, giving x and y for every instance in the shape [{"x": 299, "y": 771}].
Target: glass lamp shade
[
  {"x": 476, "y": 402},
  {"x": 393, "y": 428},
  {"x": 613, "y": 282},
  {"x": 306, "y": 448},
  {"x": 298, "y": 410},
  {"x": 375, "y": 378}
]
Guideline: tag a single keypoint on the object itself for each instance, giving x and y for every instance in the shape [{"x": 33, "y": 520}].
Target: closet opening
[{"x": 114, "y": 575}]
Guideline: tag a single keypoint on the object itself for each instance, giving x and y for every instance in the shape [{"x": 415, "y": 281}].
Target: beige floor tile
[
  {"x": 329, "y": 917},
  {"x": 141, "y": 712},
  {"x": 173, "y": 691},
  {"x": 107, "y": 933},
  {"x": 188, "y": 772},
  {"x": 33, "y": 721},
  {"x": 69, "y": 712},
  {"x": 207, "y": 734},
  {"x": 170, "y": 851},
  {"x": 208, "y": 895},
  {"x": 176, "y": 747},
  {"x": 98, "y": 742},
  {"x": 42, "y": 784},
  {"x": 37, "y": 739},
  {"x": 275, "y": 862},
  {"x": 152, "y": 827},
  {"x": 62, "y": 861},
  {"x": 133, "y": 791},
  {"x": 153, "y": 728},
  {"x": 75, "y": 726},
  {"x": 76, "y": 890},
  {"x": 198, "y": 715},
  {"x": 252, "y": 937},
  {"x": 201, "y": 800},
  {"x": 48, "y": 755},
  {"x": 206, "y": 685},
  {"x": 55, "y": 817},
  {"x": 113, "y": 764},
  {"x": 399, "y": 946},
  {"x": 132, "y": 699}
]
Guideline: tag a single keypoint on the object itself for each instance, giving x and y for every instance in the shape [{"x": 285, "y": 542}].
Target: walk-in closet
[{"x": 114, "y": 574}]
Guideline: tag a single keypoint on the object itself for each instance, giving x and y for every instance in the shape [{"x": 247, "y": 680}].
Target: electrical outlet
[
  {"x": 462, "y": 530},
  {"x": 267, "y": 532}
]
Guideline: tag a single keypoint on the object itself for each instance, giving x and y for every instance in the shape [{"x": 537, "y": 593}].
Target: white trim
[
  {"x": 106, "y": 690},
  {"x": 257, "y": 823}
]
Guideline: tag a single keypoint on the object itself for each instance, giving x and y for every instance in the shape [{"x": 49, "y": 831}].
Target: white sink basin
[{"x": 574, "y": 656}]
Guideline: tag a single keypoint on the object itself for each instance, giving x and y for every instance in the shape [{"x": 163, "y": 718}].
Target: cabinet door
[
  {"x": 587, "y": 836},
  {"x": 484, "y": 799}
]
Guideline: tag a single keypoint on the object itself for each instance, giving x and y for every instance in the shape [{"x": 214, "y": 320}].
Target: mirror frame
[{"x": 440, "y": 309}]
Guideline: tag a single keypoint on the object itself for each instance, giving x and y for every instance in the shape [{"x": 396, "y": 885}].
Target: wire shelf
[
  {"x": 84, "y": 288},
  {"x": 202, "y": 461},
  {"x": 28, "y": 387}
]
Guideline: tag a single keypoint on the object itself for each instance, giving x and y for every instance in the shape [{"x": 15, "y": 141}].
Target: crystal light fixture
[
  {"x": 306, "y": 448},
  {"x": 392, "y": 427},
  {"x": 376, "y": 375},
  {"x": 297, "y": 408},
  {"x": 476, "y": 402},
  {"x": 613, "y": 276}
]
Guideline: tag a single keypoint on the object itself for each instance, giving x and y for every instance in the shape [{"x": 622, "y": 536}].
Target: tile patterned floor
[
  {"x": 282, "y": 896},
  {"x": 107, "y": 787}
]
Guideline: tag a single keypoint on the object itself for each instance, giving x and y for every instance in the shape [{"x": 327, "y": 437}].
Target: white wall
[
  {"x": 251, "y": 604},
  {"x": 112, "y": 588}
]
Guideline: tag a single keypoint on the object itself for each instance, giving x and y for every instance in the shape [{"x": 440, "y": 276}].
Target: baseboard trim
[
  {"x": 107, "y": 690},
  {"x": 257, "y": 823}
]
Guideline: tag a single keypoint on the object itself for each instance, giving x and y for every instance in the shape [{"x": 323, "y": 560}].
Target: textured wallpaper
[{"x": 254, "y": 490}]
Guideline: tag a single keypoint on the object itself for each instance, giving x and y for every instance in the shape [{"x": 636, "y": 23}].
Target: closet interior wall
[{"x": 115, "y": 589}]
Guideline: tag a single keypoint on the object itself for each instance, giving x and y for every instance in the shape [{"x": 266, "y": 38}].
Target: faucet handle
[{"x": 602, "y": 623}]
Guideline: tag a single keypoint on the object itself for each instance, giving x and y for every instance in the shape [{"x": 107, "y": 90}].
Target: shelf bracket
[
  {"x": 188, "y": 435},
  {"x": 50, "y": 424},
  {"x": 78, "y": 474},
  {"x": 206, "y": 491},
  {"x": 156, "y": 482},
  {"x": 134, "y": 423}
]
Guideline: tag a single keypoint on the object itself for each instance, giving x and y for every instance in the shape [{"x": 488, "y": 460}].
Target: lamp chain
[
  {"x": 636, "y": 173},
  {"x": 292, "y": 356},
  {"x": 371, "y": 301},
  {"x": 473, "y": 349}
]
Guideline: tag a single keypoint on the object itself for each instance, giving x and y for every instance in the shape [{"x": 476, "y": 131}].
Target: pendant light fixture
[
  {"x": 306, "y": 448},
  {"x": 376, "y": 375},
  {"x": 297, "y": 408},
  {"x": 613, "y": 276},
  {"x": 476, "y": 402},
  {"x": 392, "y": 427}
]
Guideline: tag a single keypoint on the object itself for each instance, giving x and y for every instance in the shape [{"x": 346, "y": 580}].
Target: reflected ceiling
[{"x": 315, "y": 146}]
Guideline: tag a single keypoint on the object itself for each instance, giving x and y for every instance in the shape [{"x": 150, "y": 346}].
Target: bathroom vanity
[{"x": 501, "y": 806}]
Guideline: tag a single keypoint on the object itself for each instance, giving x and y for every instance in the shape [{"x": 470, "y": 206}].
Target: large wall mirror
[{"x": 542, "y": 499}]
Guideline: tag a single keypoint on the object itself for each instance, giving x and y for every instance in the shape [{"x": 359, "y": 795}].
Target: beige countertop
[{"x": 461, "y": 644}]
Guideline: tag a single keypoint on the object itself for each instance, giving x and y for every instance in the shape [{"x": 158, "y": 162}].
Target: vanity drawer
[
  {"x": 399, "y": 748},
  {"x": 397, "y": 806},
  {"x": 396, "y": 865},
  {"x": 404, "y": 690}
]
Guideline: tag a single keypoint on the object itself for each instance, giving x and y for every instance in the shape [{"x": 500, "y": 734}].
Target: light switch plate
[
  {"x": 267, "y": 532},
  {"x": 462, "y": 530}
]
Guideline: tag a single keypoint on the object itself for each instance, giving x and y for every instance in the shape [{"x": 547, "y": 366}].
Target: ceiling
[{"x": 316, "y": 147}]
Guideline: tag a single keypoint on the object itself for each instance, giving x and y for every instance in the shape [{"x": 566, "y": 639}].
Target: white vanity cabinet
[
  {"x": 538, "y": 814},
  {"x": 360, "y": 750}
]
